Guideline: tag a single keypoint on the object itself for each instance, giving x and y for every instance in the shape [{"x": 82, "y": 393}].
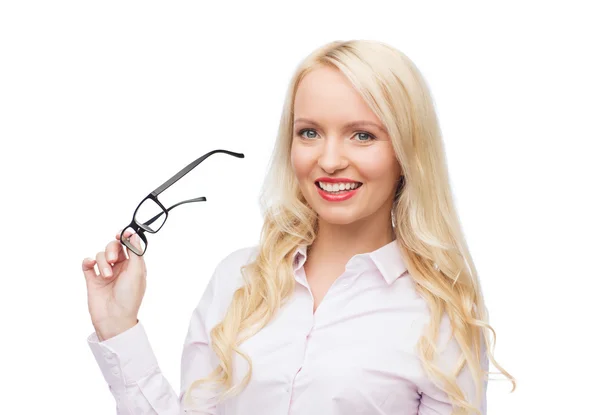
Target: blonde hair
[{"x": 425, "y": 223}]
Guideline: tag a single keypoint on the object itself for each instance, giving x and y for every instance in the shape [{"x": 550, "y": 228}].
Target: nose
[{"x": 332, "y": 156}]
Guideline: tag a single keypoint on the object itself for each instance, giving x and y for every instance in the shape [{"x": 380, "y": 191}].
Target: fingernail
[
  {"x": 111, "y": 256},
  {"x": 107, "y": 272}
]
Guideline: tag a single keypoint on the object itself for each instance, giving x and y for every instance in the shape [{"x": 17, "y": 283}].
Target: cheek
[
  {"x": 378, "y": 166},
  {"x": 301, "y": 163},
  {"x": 374, "y": 171}
]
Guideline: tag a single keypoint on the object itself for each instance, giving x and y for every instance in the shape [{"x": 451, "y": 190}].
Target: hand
[{"x": 115, "y": 295}]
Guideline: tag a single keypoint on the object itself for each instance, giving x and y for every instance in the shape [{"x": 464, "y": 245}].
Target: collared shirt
[{"x": 355, "y": 355}]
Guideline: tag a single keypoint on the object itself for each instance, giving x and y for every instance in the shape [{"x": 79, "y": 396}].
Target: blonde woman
[{"x": 361, "y": 297}]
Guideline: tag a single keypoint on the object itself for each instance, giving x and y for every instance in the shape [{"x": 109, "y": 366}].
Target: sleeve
[
  {"x": 434, "y": 401},
  {"x": 134, "y": 378}
]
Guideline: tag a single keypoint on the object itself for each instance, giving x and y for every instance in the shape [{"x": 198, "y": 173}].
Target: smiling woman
[
  {"x": 361, "y": 297},
  {"x": 343, "y": 148}
]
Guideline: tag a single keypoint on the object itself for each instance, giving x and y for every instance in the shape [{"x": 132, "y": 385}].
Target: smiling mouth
[{"x": 337, "y": 188}]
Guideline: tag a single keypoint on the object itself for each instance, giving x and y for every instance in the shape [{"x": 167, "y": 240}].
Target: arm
[{"x": 131, "y": 370}]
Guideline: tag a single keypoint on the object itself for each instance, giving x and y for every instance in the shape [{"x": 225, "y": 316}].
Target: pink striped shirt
[{"x": 355, "y": 355}]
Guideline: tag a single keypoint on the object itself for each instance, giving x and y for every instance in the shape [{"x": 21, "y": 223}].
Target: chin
[{"x": 337, "y": 218}]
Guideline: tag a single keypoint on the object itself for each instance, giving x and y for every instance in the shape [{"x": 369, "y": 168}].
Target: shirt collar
[{"x": 387, "y": 260}]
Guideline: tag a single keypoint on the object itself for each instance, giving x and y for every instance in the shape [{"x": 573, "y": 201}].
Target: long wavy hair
[{"x": 425, "y": 222}]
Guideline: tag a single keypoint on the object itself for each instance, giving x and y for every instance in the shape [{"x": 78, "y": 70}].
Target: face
[{"x": 355, "y": 163}]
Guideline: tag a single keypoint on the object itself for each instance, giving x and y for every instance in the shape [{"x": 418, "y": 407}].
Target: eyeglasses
[{"x": 151, "y": 215}]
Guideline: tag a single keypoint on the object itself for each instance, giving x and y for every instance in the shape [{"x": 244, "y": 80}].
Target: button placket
[{"x": 311, "y": 324}]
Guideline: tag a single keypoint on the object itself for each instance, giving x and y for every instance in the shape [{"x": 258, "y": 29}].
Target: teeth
[{"x": 337, "y": 186}]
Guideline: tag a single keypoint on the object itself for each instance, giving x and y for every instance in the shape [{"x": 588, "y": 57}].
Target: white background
[{"x": 100, "y": 102}]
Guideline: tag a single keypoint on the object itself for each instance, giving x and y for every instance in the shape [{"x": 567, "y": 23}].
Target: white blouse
[{"x": 355, "y": 355}]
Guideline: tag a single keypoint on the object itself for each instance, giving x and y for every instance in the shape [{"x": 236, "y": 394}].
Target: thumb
[{"x": 138, "y": 243}]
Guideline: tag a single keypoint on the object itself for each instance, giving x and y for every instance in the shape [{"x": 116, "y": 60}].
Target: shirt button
[
  {"x": 115, "y": 372},
  {"x": 110, "y": 358}
]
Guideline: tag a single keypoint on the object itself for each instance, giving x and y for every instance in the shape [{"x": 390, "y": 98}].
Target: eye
[
  {"x": 301, "y": 132},
  {"x": 369, "y": 137}
]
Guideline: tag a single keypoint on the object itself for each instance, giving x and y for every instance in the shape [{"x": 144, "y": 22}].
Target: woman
[{"x": 361, "y": 298}]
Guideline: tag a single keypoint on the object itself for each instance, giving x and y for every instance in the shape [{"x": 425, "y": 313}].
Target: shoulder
[
  {"x": 415, "y": 305},
  {"x": 225, "y": 280},
  {"x": 227, "y": 276},
  {"x": 449, "y": 351},
  {"x": 234, "y": 260},
  {"x": 444, "y": 333}
]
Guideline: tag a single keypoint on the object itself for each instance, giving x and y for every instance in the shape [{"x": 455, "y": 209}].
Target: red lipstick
[
  {"x": 336, "y": 197},
  {"x": 336, "y": 180}
]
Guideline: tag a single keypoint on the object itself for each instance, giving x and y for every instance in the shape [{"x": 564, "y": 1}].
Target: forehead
[{"x": 325, "y": 94}]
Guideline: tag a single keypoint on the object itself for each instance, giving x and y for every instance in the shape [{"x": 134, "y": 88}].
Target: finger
[
  {"x": 114, "y": 252},
  {"x": 136, "y": 241},
  {"x": 88, "y": 269},
  {"x": 128, "y": 232},
  {"x": 103, "y": 266}
]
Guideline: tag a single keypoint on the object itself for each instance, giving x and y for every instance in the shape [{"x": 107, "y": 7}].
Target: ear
[{"x": 399, "y": 187}]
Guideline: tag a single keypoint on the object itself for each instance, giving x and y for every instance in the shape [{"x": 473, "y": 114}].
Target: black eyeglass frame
[{"x": 141, "y": 228}]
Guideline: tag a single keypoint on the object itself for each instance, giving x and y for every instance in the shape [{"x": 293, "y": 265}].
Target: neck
[{"x": 341, "y": 242}]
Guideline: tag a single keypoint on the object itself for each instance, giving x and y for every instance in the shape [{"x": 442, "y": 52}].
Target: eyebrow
[{"x": 353, "y": 124}]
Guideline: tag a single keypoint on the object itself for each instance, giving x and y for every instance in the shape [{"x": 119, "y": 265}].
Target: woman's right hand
[{"x": 115, "y": 295}]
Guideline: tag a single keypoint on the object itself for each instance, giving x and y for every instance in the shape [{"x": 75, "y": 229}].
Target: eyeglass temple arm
[
  {"x": 189, "y": 167},
  {"x": 197, "y": 199}
]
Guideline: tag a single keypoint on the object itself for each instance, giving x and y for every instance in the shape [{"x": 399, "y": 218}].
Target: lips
[
  {"x": 334, "y": 180},
  {"x": 339, "y": 197}
]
